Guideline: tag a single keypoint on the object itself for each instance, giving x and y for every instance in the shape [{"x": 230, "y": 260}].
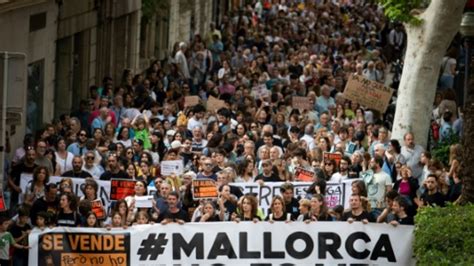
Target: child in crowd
[
  {"x": 6, "y": 241},
  {"x": 42, "y": 220},
  {"x": 91, "y": 220}
]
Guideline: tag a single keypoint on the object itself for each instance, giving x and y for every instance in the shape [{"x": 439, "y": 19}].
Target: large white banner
[
  {"x": 336, "y": 193},
  {"x": 229, "y": 243}
]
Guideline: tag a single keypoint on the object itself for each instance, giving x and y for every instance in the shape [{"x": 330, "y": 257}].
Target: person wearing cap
[{"x": 268, "y": 175}]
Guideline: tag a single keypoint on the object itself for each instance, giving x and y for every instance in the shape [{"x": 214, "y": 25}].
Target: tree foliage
[
  {"x": 150, "y": 7},
  {"x": 444, "y": 236},
  {"x": 402, "y": 10}
]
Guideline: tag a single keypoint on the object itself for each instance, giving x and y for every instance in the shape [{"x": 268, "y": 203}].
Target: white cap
[
  {"x": 170, "y": 132},
  {"x": 176, "y": 144}
]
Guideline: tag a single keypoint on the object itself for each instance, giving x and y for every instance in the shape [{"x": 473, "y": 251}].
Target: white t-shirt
[
  {"x": 376, "y": 189},
  {"x": 64, "y": 164},
  {"x": 338, "y": 177}
]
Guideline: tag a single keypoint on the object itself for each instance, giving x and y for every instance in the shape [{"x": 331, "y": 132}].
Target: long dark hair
[{"x": 35, "y": 176}]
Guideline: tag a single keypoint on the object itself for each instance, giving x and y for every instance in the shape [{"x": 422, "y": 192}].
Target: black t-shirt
[
  {"x": 278, "y": 219},
  {"x": 41, "y": 205},
  {"x": 407, "y": 220},
  {"x": 19, "y": 169},
  {"x": 359, "y": 218},
  {"x": 17, "y": 232},
  {"x": 81, "y": 174},
  {"x": 107, "y": 175},
  {"x": 293, "y": 208},
  {"x": 180, "y": 215},
  {"x": 272, "y": 178},
  {"x": 67, "y": 219},
  {"x": 433, "y": 199},
  {"x": 214, "y": 218}
]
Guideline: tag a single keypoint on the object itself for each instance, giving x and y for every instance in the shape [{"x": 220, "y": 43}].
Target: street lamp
[{"x": 467, "y": 31}]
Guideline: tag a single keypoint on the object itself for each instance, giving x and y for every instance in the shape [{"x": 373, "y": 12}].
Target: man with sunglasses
[
  {"x": 89, "y": 166},
  {"x": 79, "y": 147},
  {"x": 207, "y": 170}
]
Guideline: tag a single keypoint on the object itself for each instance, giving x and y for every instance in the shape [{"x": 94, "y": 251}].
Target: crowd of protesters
[{"x": 299, "y": 48}]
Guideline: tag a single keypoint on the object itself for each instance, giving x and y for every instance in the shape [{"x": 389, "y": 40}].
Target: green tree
[{"x": 430, "y": 28}]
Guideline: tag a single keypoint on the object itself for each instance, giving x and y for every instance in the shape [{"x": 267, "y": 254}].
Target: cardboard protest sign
[
  {"x": 144, "y": 201},
  {"x": 371, "y": 94},
  {"x": 98, "y": 209},
  {"x": 172, "y": 167},
  {"x": 214, "y": 104},
  {"x": 3, "y": 206},
  {"x": 190, "y": 101},
  {"x": 204, "y": 189},
  {"x": 336, "y": 156},
  {"x": 302, "y": 103},
  {"x": 121, "y": 188},
  {"x": 260, "y": 91},
  {"x": 304, "y": 175}
]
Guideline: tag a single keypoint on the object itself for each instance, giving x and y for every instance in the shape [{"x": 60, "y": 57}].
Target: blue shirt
[
  {"x": 75, "y": 149},
  {"x": 322, "y": 104}
]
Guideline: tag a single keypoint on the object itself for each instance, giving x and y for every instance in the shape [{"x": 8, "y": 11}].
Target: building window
[
  {"x": 34, "y": 106},
  {"x": 37, "y": 21}
]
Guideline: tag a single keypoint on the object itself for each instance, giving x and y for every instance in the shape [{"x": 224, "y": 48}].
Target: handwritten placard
[
  {"x": 204, "y": 189},
  {"x": 260, "y": 91},
  {"x": 172, "y": 167},
  {"x": 336, "y": 156},
  {"x": 121, "y": 188},
  {"x": 98, "y": 209},
  {"x": 304, "y": 175},
  {"x": 302, "y": 103},
  {"x": 214, "y": 104},
  {"x": 190, "y": 101},
  {"x": 368, "y": 93}
]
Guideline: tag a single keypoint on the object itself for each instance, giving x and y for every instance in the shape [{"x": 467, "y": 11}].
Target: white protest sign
[
  {"x": 144, "y": 201},
  {"x": 172, "y": 167}
]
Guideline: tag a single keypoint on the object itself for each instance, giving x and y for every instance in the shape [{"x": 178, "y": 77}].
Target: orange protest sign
[
  {"x": 336, "y": 156},
  {"x": 98, "y": 209},
  {"x": 304, "y": 175},
  {"x": 204, "y": 189},
  {"x": 121, "y": 188}
]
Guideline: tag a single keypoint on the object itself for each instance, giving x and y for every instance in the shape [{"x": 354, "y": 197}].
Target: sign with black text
[{"x": 229, "y": 243}]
